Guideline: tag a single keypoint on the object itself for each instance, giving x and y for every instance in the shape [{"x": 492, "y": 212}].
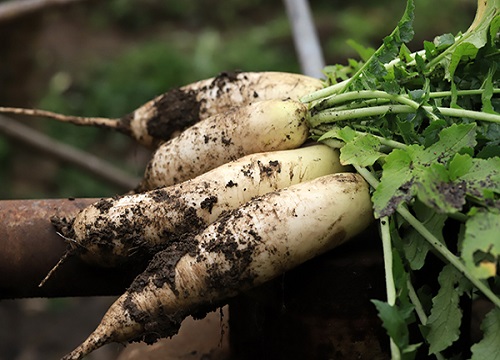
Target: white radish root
[
  {"x": 118, "y": 230},
  {"x": 263, "y": 126},
  {"x": 248, "y": 246}
]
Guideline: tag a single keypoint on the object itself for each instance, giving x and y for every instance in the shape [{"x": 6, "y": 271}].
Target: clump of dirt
[{"x": 175, "y": 111}]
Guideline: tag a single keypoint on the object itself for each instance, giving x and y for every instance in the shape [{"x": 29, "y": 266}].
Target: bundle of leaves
[{"x": 423, "y": 128}]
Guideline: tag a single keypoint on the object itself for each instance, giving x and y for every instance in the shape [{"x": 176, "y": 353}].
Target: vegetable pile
[{"x": 271, "y": 172}]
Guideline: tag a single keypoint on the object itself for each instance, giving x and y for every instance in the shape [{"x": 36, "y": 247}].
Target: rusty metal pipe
[{"x": 30, "y": 247}]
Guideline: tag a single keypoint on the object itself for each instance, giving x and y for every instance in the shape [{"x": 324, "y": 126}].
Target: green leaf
[
  {"x": 480, "y": 177},
  {"x": 437, "y": 191},
  {"x": 489, "y": 346},
  {"x": 362, "y": 151},
  {"x": 364, "y": 52},
  {"x": 396, "y": 183},
  {"x": 488, "y": 91},
  {"x": 441, "y": 42},
  {"x": 395, "y": 323},
  {"x": 494, "y": 29},
  {"x": 420, "y": 172},
  {"x": 460, "y": 165},
  {"x": 446, "y": 316},
  {"x": 452, "y": 140},
  {"x": 360, "y": 148},
  {"x": 481, "y": 243}
]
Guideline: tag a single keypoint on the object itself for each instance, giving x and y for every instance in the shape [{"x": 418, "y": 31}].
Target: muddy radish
[
  {"x": 170, "y": 113},
  {"x": 246, "y": 247},
  {"x": 262, "y": 126},
  {"x": 127, "y": 228}
]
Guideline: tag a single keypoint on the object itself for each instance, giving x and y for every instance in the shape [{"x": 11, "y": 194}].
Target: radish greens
[{"x": 423, "y": 128}]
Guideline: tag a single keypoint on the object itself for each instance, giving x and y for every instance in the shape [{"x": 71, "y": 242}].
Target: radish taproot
[
  {"x": 248, "y": 246},
  {"x": 127, "y": 228},
  {"x": 170, "y": 113},
  {"x": 262, "y": 126}
]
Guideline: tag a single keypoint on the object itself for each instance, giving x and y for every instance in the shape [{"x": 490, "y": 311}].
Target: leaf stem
[
  {"x": 387, "y": 251},
  {"x": 366, "y": 94},
  {"x": 438, "y": 94},
  {"x": 390, "y": 286},
  {"x": 419, "y": 309},
  {"x": 323, "y": 93},
  {"x": 332, "y": 115}
]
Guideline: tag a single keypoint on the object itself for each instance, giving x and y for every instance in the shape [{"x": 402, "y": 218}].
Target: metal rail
[{"x": 30, "y": 247}]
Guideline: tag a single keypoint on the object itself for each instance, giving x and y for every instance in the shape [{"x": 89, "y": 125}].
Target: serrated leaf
[
  {"x": 451, "y": 141},
  {"x": 481, "y": 179},
  {"x": 420, "y": 172},
  {"x": 446, "y": 316},
  {"x": 489, "y": 346},
  {"x": 395, "y": 186},
  {"x": 435, "y": 189},
  {"x": 362, "y": 151},
  {"x": 364, "y": 52},
  {"x": 481, "y": 243},
  {"x": 393, "y": 320}
]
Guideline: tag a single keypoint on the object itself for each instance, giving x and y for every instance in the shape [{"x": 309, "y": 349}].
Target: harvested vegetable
[
  {"x": 169, "y": 114},
  {"x": 423, "y": 128},
  {"x": 246, "y": 247},
  {"x": 262, "y": 126},
  {"x": 128, "y": 228}
]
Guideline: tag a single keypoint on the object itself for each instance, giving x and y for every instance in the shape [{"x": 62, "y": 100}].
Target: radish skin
[
  {"x": 263, "y": 126},
  {"x": 116, "y": 230},
  {"x": 206, "y": 98},
  {"x": 250, "y": 245},
  {"x": 168, "y": 114}
]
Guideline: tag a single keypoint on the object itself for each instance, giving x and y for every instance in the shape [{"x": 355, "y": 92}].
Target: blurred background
[{"x": 106, "y": 58}]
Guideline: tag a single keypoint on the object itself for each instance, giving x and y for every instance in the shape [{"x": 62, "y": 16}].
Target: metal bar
[
  {"x": 30, "y": 247},
  {"x": 305, "y": 37}
]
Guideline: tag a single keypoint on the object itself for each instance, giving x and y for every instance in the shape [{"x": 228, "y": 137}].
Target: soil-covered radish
[
  {"x": 170, "y": 113},
  {"x": 128, "y": 228},
  {"x": 246, "y": 247},
  {"x": 262, "y": 126}
]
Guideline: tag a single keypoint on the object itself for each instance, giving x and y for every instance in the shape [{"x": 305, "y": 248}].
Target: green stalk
[
  {"x": 367, "y": 94},
  {"x": 419, "y": 309},
  {"x": 362, "y": 104},
  {"x": 323, "y": 93},
  {"x": 389, "y": 276},
  {"x": 387, "y": 251},
  {"x": 331, "y": 115},
  {"x": 439, "y": 94}
]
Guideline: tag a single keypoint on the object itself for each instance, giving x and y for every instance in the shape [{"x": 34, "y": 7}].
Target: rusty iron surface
[{"x": 30, "y": 247}]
